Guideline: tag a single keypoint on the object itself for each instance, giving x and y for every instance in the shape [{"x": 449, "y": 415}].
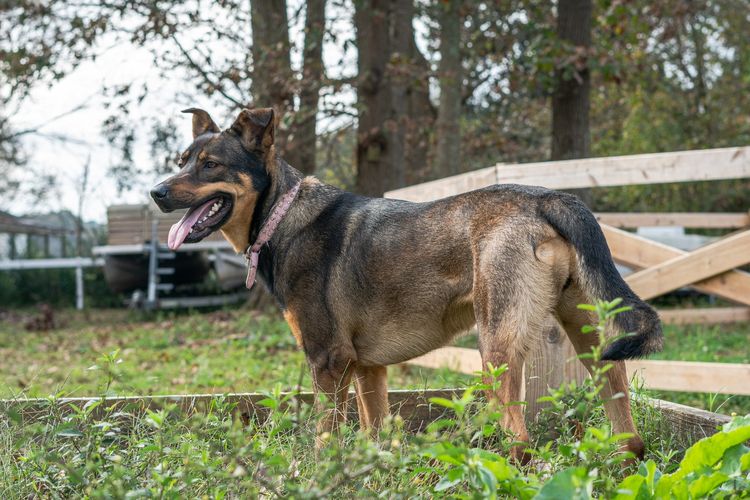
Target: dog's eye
[{"x": 210, "y": 164}]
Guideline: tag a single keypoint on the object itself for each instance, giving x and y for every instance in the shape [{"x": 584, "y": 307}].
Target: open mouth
[{"x": 200, "y": 221}]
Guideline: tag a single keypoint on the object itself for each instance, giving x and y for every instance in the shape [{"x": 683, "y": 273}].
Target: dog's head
[{"x": 222, "y": 175}]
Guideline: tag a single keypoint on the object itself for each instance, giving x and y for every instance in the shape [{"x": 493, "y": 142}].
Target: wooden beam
[
  {"x": 689, "y": 220},
  {"x": 693, "y": 376},
  {"x": 705, "y": 316},
  {"x": 638, "y": 252},
  {"x": 679, "y": 166},
  {"x": 657, "y": 168},
  {"x": 710, "y": 260},
  {"x": 690, "y": 423},
  {"x": 458, "y": 359},
  {"x": 724, "y": 378},
  {"x": 447, "y": 186}
]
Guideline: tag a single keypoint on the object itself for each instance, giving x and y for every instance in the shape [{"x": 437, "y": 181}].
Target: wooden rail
[
  {"x": 681, "y": 376},
  {"x": 705, "y": 220},
  {"x": 704, "y": 315},
  {"x": 710, "y": 260},
  {"x": 679, "y": 166}
]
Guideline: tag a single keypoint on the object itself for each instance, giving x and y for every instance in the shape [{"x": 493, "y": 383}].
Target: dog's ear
[
  {"x": 255, "y": 127},
  {"x": 202, "y": 122}
]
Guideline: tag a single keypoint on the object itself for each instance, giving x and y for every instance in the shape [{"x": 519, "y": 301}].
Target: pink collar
[{"x": 269, "y": 226}]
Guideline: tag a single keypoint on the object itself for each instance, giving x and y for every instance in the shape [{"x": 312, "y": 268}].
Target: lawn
[
  {"x": 218, "y": 352},
  {"x": 239, "y": 351},
  {"x": 165, "y": 454},
  {"x": 728, "y": 343}
]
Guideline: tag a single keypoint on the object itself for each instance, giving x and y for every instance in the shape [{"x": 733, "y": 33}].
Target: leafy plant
[
  {"x": 715, "y": 466},
  {"x": 100, "y": 450}
]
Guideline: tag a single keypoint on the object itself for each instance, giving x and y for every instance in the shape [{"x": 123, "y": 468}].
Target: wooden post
[
  {"x": 551, "y": 363},
  {"x": 79, "y": 288}
]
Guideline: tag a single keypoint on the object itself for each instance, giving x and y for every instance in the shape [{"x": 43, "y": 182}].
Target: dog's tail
[{"x": 599, "y": 279}]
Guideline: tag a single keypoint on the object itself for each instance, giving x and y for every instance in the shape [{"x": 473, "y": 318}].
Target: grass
[
  {"x": 240, "y": 351},
  {"x": 728, "y": 343},
  {"x": 219, "y": 352},
  {"x": 165, "y": 454}
]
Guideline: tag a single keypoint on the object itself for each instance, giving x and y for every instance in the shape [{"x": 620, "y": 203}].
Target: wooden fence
[{"x": 659, "y": 268}]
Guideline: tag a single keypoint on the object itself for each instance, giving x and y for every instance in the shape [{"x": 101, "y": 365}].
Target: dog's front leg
[
  {"x": 371, "y": 383},
  {"x": 331, "y": 373}
]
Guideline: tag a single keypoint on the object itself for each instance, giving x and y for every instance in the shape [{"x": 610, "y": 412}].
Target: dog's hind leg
[
  {"x": 371, "y": 383},
  {"x": 332, "y": 374},
  {"x": 615, "y": 392},
  {"x": 509, "y": 393},
  {"x": 512, "y": 300}
]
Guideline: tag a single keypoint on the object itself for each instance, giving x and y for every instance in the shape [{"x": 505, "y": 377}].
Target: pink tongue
[{"x": 180, "y": 230}]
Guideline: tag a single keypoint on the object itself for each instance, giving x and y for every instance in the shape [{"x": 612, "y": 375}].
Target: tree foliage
[{"x": 667, "y": 75}]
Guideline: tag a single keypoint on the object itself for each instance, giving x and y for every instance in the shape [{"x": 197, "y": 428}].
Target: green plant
[
  {"x": 101, "y": 450},
  {"x": 461, "y": 446},
  {"x": 716, "y": 466}
]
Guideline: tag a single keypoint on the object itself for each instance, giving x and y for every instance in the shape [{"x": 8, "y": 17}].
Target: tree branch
[{"x": 206, "y": 77}]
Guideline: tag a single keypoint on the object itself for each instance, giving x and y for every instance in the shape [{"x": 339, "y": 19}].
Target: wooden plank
[
  {"x": 690, "y": 423},
  {"x": 638, "y": 252},
  {"x": 693, "y": 376},
  {"x": 688, "y": 220},
  {"x": 724, "y": 378},
  {"x": 708, "y": 261},
  {"x": 657, "y": 168},
  {"x": 459, "y": 359},
  {"x": 679, "y": 166},
  {"x": 447, "y": 186},
  {"x": 705, "y": 316}
]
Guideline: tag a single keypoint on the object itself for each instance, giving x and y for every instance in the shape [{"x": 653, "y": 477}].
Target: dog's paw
[
  {"x": 519, "y": 454},
  {"x": 635, "y": 446}
]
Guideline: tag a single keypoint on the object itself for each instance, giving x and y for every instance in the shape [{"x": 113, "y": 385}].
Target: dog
[{"x": 369, "y": 282}]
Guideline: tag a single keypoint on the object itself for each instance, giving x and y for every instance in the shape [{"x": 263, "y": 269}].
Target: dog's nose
[{"x": 159, "y": 192}]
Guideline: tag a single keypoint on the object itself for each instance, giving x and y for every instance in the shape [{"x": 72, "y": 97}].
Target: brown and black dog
[{"x": 365, "y": 283}]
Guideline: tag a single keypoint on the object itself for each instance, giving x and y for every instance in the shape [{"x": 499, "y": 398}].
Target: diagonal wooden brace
[{"x": 708, "y": 269}]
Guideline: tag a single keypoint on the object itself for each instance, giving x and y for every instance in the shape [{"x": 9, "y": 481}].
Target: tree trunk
[
  {"x": 305, "y": 120},
  {"x": 570, "y": 102},
  {"x": 385, "y": 40},
  {"x": 273, "y": 79},
  {"x": 448, "y": 142},
  {"x": 421, "y": 116}
]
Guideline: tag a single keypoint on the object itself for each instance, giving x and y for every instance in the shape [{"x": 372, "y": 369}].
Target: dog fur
[{"x": 365, "y": 283}]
